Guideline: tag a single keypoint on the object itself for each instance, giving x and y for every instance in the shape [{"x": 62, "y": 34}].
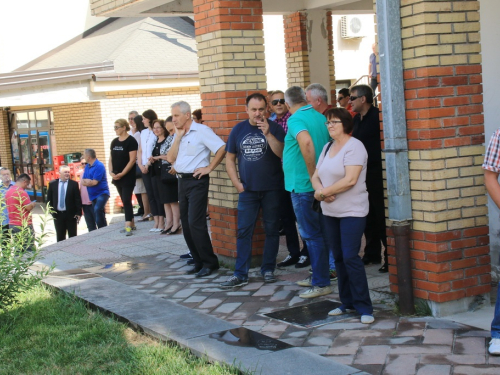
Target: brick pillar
[
  {"x": 297, "y": 54},
  {"x": 443, "y": 93},
  {"x": 230, "y": 41},
  {"x": 5, "y": 151}
]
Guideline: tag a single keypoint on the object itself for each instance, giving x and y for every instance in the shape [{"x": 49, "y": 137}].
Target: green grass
[{"x": 52, "y": 333}]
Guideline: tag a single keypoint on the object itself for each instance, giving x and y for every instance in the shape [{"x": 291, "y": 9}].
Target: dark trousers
[
  {"x": 375, "y": 231},
  {"x": 23, "y": 237},
  {"x": 140, "y": 211},
  {"x": 64, "y": 223},
  {"x": 344, "y": 236},
  {"x": 89, "y": 216},
  {"x": 148, "y": 184},
  {"x": 157, "y": 185},
  {"x": 193, "y": 199},
  {"x": 126, "y": 196},
  {"x": 5, "y": 235},
  {"x": 249, "y": 205},
  {"x": 288, "y": 219}
]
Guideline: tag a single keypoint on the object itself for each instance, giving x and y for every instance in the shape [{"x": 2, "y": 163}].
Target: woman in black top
[
  {"x": 122, "y": 169},
  {"x": 167, "y": 189}
]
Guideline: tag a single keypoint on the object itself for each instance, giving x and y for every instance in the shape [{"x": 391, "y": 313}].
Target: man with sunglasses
[
  {"x": 343, "y": 100},
  {"x": 367, "y": 130},
  {"x": 296, "y": 256}
]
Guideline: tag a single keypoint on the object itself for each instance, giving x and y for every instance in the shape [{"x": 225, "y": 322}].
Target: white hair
[
  {"x": 318, "y": 91},
  {"x": 183, "y": 106}
]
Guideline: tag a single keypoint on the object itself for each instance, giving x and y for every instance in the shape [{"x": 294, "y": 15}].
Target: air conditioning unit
[{"x": 351, "y": 27}]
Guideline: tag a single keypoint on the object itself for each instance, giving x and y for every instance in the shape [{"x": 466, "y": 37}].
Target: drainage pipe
[{"x": 396, "y": 144}]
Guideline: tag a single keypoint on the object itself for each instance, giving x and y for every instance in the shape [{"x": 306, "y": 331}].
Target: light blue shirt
[
  {"x": 5, "y": 213},
  {"x": 61, "y": 205}
]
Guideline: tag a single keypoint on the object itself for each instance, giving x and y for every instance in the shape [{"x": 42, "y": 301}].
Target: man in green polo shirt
[{"x": 306, "y": 137}]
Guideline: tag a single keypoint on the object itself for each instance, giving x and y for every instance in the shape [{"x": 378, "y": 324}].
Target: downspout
[{"x": 396, "y": 145}]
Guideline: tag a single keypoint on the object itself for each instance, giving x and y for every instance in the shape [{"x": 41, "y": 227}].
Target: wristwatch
[{"x": 322, "y": 195}]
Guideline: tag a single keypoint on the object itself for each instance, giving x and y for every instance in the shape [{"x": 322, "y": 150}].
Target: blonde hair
[{"x": 123, "y": 123}]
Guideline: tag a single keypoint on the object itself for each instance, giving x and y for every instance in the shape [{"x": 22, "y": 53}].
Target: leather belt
[{"x": 189, "y": 176}]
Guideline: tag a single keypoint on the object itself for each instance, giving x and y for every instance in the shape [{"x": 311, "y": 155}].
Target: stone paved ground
[{"x": 392, "y": 345}]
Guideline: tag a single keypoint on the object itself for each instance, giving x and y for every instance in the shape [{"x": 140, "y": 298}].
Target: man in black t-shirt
[
  {"x": 258, "y": 144},
  {"x": 367, "y": 130}
]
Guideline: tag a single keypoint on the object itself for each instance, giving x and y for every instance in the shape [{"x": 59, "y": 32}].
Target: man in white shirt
[{"x": 190, "y": 155}]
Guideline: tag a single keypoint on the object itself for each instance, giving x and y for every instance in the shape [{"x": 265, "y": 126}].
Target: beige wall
[{"x": 90, "y": 125}]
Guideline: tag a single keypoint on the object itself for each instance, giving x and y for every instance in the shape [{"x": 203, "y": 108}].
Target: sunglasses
[
  {"x": 83, "y": 163},
  {"x": 117, "y": 127},
  {"x": 276, "y": 101},
  {"x": 340, "y": 98},
  {"x": 353, "y": 98}
]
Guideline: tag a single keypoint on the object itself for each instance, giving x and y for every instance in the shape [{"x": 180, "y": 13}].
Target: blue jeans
[
  {"x": 88, "y": 214},
  {"x": 100, "y": 216},
  {"x": 495, "y": 324},
  {"x": 311, "y": 231},
  {"x": 249, "y": 204},
  {"x": 344, "y": 235}
]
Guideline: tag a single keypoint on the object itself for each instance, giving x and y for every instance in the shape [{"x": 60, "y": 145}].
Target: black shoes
[
  {"x": 269, "y": 277},
  {"x": 190, "y": 262},
  {"x": 288, "y": 261},
  {"x": 186, "y": 256},
  {"x": 204, "y": 272},
  {"x": 384, "y": 268},
  {"x": 367, "y": 261},
  {"x": 193, "y": 271},
  {"x": 303, "y": 262}
]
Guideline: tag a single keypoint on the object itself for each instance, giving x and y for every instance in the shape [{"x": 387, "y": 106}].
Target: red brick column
[
  {"x": 5, "y": 150},
  {"x": 297, "y": 55},
  {"x": 229, "y": 36},
  {"x": 445, "y": 130}
]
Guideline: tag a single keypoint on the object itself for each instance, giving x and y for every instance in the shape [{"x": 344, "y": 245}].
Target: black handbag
[
  {"x": 138, "y": 172},
  {"x": 165, "y": 175}
]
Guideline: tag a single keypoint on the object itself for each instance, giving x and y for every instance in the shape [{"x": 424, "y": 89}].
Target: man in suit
[{"x": 64, "y": 198}]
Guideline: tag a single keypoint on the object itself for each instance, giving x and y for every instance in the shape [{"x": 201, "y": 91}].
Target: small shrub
[{"x": 18, "y": 252}]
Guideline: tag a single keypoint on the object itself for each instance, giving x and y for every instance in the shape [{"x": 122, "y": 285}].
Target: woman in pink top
[
  {"x": 339, "y": 183},
  {"x": 88, "y": 211}
]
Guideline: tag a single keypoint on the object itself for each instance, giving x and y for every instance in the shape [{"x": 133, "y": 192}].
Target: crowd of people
[
  {"x": 304, "y": 163},
  {"x": 323, "y": 175}
]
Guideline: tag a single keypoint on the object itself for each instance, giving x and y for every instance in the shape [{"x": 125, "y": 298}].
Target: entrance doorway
[{"x": 32, "y": 142}]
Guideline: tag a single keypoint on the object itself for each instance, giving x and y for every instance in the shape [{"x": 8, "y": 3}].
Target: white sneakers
[
  {"x": 339, "y": 311},
  {"x": 316, "y": 291},
  {"x": 494, "y": 348},
  {"x": 365, "y": 319},
  {"x": 306, "y": 282}
]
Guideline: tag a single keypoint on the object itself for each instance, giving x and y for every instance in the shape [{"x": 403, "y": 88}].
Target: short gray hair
[
  {"x": 63, "y": 167},
  {"x": 295, "y": 95},
  {"x": 135, "y": 113},
  {"x": 90, "y": 152},
  {"x": 318, "y": 91},
  {"x": 183, "y": 106}
]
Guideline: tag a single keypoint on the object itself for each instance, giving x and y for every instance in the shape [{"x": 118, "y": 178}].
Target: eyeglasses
[
  {"x": 332, "y": 122},
  {"x": 353, "y": 98},
  {"x": 118, "y": 127},
  {"x": 276, "y": 101}
]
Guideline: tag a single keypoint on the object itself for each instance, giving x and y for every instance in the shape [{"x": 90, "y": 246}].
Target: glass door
[{"x": 31, "y": 148}]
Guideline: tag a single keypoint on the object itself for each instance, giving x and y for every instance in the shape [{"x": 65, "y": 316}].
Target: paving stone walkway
[{"x": 392, "y": 345}]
